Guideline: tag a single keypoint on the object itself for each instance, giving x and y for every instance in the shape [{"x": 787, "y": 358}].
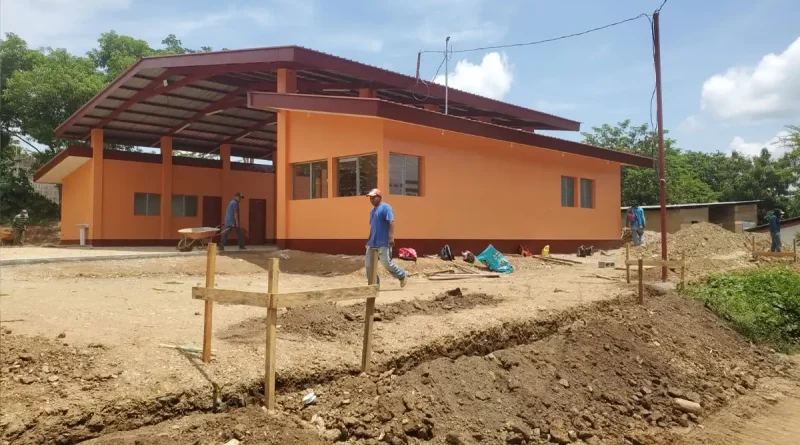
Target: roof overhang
[
  {"x": 377, "y": 108},
  {"x": 199, "y": 99},
  {"x": 62, "y": 164}
]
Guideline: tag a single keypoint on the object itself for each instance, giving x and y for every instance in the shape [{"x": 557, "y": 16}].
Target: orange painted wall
[
  {"x": 121, "y": 180},
  {"x": 124, "y": 178},
  {"x": 76, "y": 202},
  {"x": 473, "y": 188},
  {"x": 314, "y": 137}
]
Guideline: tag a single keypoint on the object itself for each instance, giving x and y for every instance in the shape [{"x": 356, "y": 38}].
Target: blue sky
[{"x": 731, "y": 75}]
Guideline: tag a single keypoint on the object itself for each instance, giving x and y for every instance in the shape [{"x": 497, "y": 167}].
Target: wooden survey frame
[
  {"x": 757, "y": 255},
  {"x": 272, "y": 300},
  {"x": 641, "y": 263}
]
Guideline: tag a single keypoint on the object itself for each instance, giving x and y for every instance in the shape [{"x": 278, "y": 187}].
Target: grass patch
[{"x": 764, "y": 305}]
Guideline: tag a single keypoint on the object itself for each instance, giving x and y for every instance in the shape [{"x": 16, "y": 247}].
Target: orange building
[{"x": 333, "y": 129}]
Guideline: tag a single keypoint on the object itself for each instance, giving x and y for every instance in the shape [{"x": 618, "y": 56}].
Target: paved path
[{"x": 40, "y": 255}]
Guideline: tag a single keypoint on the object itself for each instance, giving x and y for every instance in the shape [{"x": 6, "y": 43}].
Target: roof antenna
[{"x": 446, "y": 71}]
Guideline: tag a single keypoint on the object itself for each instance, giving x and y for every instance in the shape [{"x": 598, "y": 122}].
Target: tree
[{"x": 640, "y": 185}]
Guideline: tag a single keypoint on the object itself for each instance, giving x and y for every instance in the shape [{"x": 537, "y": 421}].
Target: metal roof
[
  {"x": 200, "y": 99},
  {"x": 694, "y": 205},
  {"x": 379, "y": 108}
]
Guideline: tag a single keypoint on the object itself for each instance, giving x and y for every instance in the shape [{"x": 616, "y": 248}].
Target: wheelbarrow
[{"x": 196, "y": 237}]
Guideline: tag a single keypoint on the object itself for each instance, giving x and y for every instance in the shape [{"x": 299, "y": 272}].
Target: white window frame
[
  {"x": 359, "y": 192},
  {"x": 403, "y": 183},
  {"x": 310, "y": 179},
  {"x": 572, "y": 199}
]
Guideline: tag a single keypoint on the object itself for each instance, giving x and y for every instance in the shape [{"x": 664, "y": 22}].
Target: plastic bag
[
  {"x": 407, "y": 253},
  {"x": 494, "y": 260}
]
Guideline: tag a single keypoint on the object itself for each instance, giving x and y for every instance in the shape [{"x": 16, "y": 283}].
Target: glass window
[
  {"x": 146, "y": 204},
  {"x": 184, "y": 205},
  {"x": 310, "y": 180},
  {"x": 567, "y": 191},
  {"x": 404, "y": 175},
  {"x": 587, "y": 193},
  {"x": 357, "y": 175}
]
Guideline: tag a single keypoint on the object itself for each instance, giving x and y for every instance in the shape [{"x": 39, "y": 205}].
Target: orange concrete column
[
  {"x": 96, "y": 227},
  {"x": 166, "y": 187},
  {"x": 332, "y": 184},
  {"x": 225, "y": 187},
  {"x": 282, "y": 177},
  {"x": 366, "y": 92},
  {"x": 383, "y": 169},
  {"x": 287, "y": 81}
]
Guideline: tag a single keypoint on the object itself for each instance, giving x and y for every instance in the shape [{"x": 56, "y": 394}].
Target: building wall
[
  {"x": 121, "y": 179},
  {"x": 76, "y": 205},
  {"x": 474, "y": 190}
]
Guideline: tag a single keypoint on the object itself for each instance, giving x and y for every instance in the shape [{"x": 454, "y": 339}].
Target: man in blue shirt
[
  {"x": 637, "y": 225},
  {"x": 775, "y": 230},
  {"x": 381, "y": 236},
  {"x": 232, "y": 221}
]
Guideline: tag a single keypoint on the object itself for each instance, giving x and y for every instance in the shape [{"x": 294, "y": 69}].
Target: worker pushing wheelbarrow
[{"x": 200, "y": 236}]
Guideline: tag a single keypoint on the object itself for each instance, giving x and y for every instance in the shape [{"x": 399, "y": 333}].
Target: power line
[{"x": 553, "y": 39}]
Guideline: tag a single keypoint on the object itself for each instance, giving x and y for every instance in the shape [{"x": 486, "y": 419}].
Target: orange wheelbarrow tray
[{"x": 196, "y": 237}]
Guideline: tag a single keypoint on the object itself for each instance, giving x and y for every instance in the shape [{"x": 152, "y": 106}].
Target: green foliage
[
  {"x": 763, "y": 305},
  {"x": 705, "y": 177},
  {"x": 16, "y": 191}
]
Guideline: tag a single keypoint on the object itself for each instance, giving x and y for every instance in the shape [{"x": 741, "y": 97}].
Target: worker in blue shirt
[
  {"x": 637, "y": 222},
  {"x": 232, "y": 221},
  {"x": 775, "y": 230},
  {"x": 381, "y": 236}
]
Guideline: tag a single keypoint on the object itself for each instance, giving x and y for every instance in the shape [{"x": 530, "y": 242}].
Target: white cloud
[
  {"x": 690, "y": 123},
  {"x": 58, "y": 23},
  {"x": 770, "y": 90},
  {"x": 492, "y": 78},
  {"x": 465, "y": 21},
  {"x": 774, "y": 145}
]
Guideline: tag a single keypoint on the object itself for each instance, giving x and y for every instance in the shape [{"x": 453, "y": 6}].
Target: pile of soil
[
  {"x": 623, "y": 373},
  {"x": 36, "y": 371},
  {"x": 331, "y": 321},
  {"x": 39, "y": 235},
  {"x": 709, "y": 249}
]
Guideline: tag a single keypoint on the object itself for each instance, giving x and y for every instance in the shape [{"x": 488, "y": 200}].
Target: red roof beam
[{"x": 271, "y": 121}]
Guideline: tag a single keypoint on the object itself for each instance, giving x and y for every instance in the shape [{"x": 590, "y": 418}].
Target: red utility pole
[{"x": 662, "y": 183}]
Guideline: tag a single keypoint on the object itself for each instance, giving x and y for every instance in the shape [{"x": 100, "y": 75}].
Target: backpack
[
  {"x": 631, "y": 215},
  {"x": 446, "y": 254}
]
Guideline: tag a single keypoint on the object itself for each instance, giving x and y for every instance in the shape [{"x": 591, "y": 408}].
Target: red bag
[
  {"x": 524, "y": 251},
  {"x": 407, "y": 253}
]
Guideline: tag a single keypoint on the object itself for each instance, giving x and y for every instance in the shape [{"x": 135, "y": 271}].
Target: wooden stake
[
  {"x": 366, "y": 352},
  {"x": 683, "y": 268},
  {"x": 794, "y": 243},
  {"x": 272, "y": 324},
  {"x": 753, "y": 238},
  {"x": 627, "y": 267},
  {"x": 211, "y": 265},
  {"x": 641, "y": 281}
]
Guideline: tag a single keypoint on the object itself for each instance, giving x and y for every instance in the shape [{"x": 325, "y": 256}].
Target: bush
[{"x": 764, "y": 305}]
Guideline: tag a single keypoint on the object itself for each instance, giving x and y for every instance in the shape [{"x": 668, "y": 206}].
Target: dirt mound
[
  {"x": 614, "y": 374},
  {"x": 623, "y": 373},
  {"x": 331, "y": 321},
  {"x": 35, "y": 370}
]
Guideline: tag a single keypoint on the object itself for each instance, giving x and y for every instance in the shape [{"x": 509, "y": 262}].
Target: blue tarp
[{"x": 494, "y": 260}]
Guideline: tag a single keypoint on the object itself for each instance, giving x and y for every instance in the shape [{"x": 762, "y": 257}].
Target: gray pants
[{"x": 776, "y": 242}]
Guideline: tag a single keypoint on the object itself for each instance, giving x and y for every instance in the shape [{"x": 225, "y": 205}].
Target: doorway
[
  {"x": 212, "y": 211},
  {"x": 258, "y": 221}
]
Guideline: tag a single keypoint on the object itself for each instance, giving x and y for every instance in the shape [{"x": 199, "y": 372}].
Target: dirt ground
[
  {"x": 609, "y": 375},
  {"x": 83, "y": 357}
]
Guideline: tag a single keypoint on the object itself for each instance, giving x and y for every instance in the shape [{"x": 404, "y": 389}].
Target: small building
[
  {"x": 735, "y": 216},
  {"x": 790, "y": 227},
  {"x": 332, "y": 129}
]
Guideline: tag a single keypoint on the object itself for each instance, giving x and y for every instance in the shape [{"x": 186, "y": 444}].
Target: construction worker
[
  {"x": 381, "y": 236},
  {"x": 232, "y": 221},
  {"x": 20, "y": 225},
  {"x": 637, "y": 222},
  {"x": 775, "y": 230}
]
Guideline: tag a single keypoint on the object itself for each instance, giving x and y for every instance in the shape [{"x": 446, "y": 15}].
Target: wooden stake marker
[
  {"x": 272, "y": 300},
  {"x": 642, "y": 263},
  {"x": 627, "y": 266}
]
